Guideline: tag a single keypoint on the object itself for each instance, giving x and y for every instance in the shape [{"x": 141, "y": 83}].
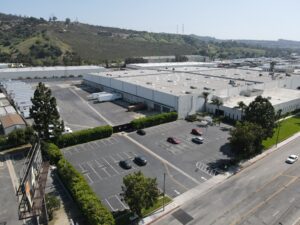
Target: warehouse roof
[
  {"x": 171, "y": 64},
  {"x": 54, "y": 68},
  {"x": 275, "y": 96},
  {"x": 11, "y": 120},
  {"x": 175, "y": 82}
]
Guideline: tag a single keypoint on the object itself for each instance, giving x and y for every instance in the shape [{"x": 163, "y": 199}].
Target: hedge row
[
  {"x": 154, "y": 120},
  {"x": 83, "y": 136},
  {"x": 86, "y": 199}
]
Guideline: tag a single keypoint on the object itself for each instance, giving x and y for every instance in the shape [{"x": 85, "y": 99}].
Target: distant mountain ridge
[{"x": 38, "y": 42}]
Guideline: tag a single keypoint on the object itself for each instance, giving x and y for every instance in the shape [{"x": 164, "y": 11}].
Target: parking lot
[
  {"x": 78, "y": 113},
  {"x": 185, "y": 165}
]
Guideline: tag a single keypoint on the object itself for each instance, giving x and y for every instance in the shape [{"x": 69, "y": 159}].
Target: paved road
[{"x": 268, "y": 192}]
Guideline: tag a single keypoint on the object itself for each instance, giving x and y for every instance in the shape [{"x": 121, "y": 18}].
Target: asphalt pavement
[{"x": 267, "y": 192}]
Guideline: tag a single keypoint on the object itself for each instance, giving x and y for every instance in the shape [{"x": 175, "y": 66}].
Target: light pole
[
  {"x": 278, "y": 116},
  {"x": 164, "y": 190}
]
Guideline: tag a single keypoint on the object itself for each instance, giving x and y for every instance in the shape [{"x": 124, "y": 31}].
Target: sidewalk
[{"x": 209, "y": 184}]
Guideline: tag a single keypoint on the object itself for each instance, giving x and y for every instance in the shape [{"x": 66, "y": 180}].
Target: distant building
[
  {"x": 48, "y": 72},
  {"x": 11, "y": 122}
]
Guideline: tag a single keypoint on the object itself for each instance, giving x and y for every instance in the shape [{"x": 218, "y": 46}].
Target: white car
[
  {"x": 291, "y": 159},
  {"x": 67, "y": 130}
]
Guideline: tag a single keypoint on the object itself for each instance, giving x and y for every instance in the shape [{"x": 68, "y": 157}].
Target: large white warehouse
[
  {"x": 182, "y": 89},
  {"x": 48, "y": 72}
]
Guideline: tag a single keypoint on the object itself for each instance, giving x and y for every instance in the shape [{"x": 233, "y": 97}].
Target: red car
[
  {"x": 173, "y": 140},
  {"x": 196, "y": 131}
]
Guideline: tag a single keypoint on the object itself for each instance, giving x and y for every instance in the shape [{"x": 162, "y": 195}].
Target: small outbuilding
[{"x": 10, "y": 122}]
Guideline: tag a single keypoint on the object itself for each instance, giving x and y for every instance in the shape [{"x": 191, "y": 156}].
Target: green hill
[{"x": 39, "y": 42}]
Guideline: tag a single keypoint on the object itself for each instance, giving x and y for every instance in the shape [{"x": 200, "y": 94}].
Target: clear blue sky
[{"x": 228, "y": 19}]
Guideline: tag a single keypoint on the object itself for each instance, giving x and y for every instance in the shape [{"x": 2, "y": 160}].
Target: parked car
[
  {"x": 291, "y": 159},
  {"x": 140, "y": 160},
  {"x": 126, "y": 164},
  {"x": 196, "y": 131},
  {"x": 197, "y": 140},
  {"x": 141, "y": 132},
  {"x": 173, "y": 140}
]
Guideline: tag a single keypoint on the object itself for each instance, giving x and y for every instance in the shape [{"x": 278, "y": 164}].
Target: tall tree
[
  {"x": 205, "y": 95},
  {"x": 246, "y": 139},
  {"x": 242, "y": 106},
  {"x": 44, "y": 113},
  {"x": 261, "y": 112},
  {"x": 139, "y": 192}
]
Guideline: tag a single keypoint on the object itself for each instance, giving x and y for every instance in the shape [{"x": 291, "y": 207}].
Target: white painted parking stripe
[
  {"x": 127, "y": 155},
  {"x": 95, "y": 171},
  {"x": 111, "y": 166},
  {"x": 114, "y": 160},
  {"x": 112, "y": 208},
  {"x": 203, "y": 178},
  {"x": 177, "y": 192},
  {"x": 104, "y": 169},
  {"x": 276, "y": 213},
  {"x": 124, "y": 206},
  {"x": 99, "y": 164},
  {"x": 117, "y": 154},
  {"x": 87, "y": 175}
]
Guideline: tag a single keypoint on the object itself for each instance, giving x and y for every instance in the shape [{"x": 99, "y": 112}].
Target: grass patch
[
  {"x": 288, "y": 128},
  {"x": 156, "y": 206},
  {"x": 122, "y": 218}
]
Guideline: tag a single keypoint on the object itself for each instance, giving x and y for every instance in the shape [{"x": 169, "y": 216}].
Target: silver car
[{"x": 291, "y": 159}]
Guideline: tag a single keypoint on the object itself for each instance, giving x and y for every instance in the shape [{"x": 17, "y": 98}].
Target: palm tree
[
  {"x": 218, "y": 102},
  {"x": 205, "y": 96},
  {"x": 242, "y": 106}
]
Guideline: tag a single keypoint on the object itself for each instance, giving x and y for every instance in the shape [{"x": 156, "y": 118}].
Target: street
[{"x": 267, "y": 192}]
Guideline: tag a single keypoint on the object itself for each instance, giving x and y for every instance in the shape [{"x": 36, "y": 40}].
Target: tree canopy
[
  {"x": 261, "y": 112},
  {"x": 246, "y": 139},
  {"x": 46, "y": 118},
  {"x": 139, "y": 192}
]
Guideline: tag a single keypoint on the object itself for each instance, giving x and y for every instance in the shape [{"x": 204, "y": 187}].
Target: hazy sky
[{"x": 228, "y": 19}]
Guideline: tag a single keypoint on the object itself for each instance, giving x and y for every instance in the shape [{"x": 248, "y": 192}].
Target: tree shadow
[{"x": 221, "y": 166}]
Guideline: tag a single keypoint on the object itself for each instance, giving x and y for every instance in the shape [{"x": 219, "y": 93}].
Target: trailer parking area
[
  {"x": 78, "y": 113},
  {"x": 185, "y": 165}
]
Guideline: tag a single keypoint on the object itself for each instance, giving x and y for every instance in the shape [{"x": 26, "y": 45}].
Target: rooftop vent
[
  {"x": 188, "y": 92},
  {"x": 170, "y": 81},
  {"x": 193, "y": 87},
  {"x": 149, "y": 83},
  {"x": 188, "y": 78},
  {"x": 206, "y": 88}
]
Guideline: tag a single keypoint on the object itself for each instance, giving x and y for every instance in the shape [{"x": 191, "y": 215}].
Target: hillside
[{"x": 39, "y": 42}]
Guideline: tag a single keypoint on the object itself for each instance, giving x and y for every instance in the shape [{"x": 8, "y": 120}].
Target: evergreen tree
[{"x": 46, "y": 118}]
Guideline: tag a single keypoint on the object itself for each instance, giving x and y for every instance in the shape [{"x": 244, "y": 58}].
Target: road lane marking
[{"x": 255, "y": 208}]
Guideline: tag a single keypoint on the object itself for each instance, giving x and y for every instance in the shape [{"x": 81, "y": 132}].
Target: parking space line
[
  {"x": 125, "y": 207},
  {"x": 117, "y": 154},
  {"x": 111, "y": 166},
  {"x": 127, "y": 155},
  {"x": 112, "y": 208},
  {"x": 108, "y": 174},
  {"x": 87, "y": 175},
  {"x": 99, "y": 164},
  {"x": 115, "y": 161},
  {"x": 93, "y": 169}
]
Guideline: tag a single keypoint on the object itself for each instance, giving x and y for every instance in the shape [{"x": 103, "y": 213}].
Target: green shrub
[
  {"x": 154, "y": 120},
  {"x": 84, "y": 136},
  {"x": 84, "y": 196},
  {"x": 86, "y": 199},
  {"x": 53, "y": 153}
]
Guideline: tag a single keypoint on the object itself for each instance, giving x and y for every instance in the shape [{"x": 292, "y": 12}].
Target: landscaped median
[
  {"x": 286, "y": 128},
  {"x": 86, "y": 199}
]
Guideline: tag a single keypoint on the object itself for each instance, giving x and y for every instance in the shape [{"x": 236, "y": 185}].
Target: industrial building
[
  {"x": 20, "y": 93},
  {"x": 48, "y": 72},
  {"x": 181, "y": 89},
  {"x": 11, "y": 122}
]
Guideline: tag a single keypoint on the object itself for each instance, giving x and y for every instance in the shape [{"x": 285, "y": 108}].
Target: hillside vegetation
[{"x": 37, "y": 42}]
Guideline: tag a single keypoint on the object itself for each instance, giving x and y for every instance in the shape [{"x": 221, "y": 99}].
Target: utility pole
[
  {"x": 164, "y": 190},
  {"x": 278, "y": 116}
]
